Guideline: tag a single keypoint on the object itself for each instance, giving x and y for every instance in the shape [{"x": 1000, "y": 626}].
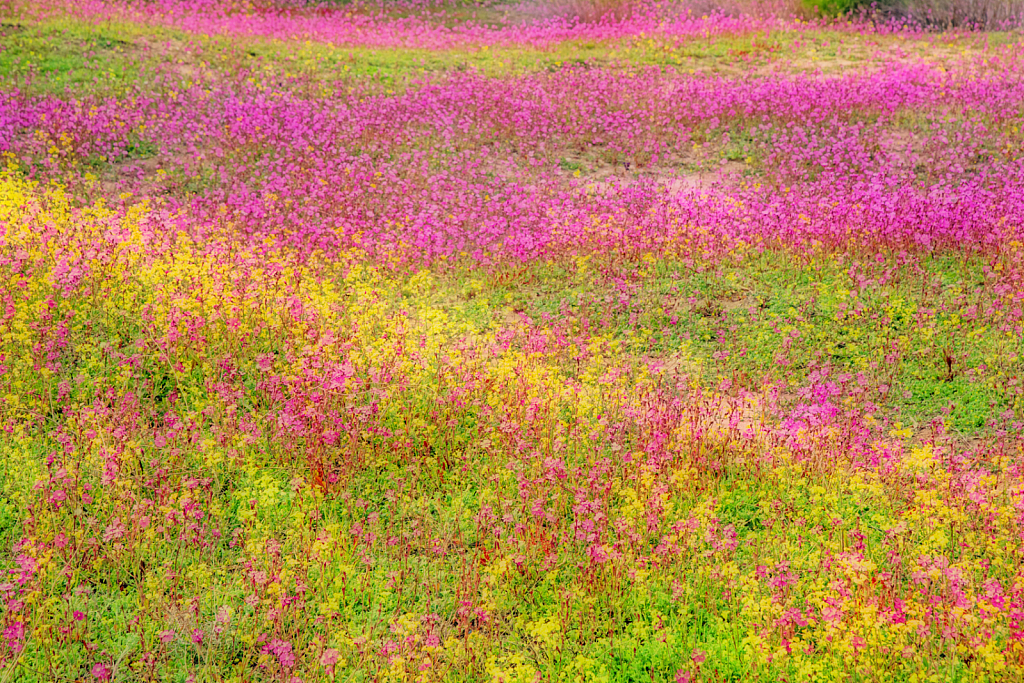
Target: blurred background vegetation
[{"x": 987, "y": 14}]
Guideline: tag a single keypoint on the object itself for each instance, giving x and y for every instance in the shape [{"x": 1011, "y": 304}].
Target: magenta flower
[
  {"x": 282, "y": 649},
  {"x": 114, "y": 531},
  {"x": 329, "y": 659}
]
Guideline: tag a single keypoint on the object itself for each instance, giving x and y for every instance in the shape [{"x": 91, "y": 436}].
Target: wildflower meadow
[{"x": 437, "y": 340}]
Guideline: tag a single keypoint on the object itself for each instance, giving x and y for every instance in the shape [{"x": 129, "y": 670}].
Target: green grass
[
  {"x": 70, "y": 55},
  {"x": 779, "y": 321},
  {"x": 53, "y": 58}
]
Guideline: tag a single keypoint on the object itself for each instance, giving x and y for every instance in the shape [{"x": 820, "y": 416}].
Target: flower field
[{"x": 446, "y": 343}]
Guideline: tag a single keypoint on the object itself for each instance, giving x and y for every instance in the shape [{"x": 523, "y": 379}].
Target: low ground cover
[{"x": 339, "y": 345}]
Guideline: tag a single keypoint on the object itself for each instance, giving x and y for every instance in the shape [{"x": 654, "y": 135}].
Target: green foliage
[
  {"x": 835, "y": 8},
  {"x": 64, "y": 55}
]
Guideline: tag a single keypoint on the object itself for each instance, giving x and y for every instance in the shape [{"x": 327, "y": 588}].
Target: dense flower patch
[{"x": 598, "y": 372}]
